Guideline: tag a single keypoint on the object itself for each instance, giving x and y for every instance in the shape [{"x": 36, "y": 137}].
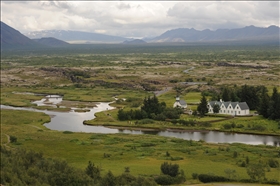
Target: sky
[{"x": 137, "y": 19}]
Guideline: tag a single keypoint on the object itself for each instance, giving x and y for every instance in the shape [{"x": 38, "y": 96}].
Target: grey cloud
[
  {"x": 136, "y": 18},
  {"x": 123, "y": 6}
]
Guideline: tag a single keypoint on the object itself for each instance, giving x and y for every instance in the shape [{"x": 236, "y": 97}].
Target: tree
[
  {"x": 249, "y": 94},
  {"x": 202, "y": 107},
  {"x": 264, "y": 105},
  {"x": 216, "y": 108},
  {"x": 152, "y": 105},
  {"x": 274, "y": 105},
  {"x": 226, "y": 94},
  {"x": 169, "y": 169},
  {"x": 256, "y": 171},
  {"x": 108, "y": 180},
  {"x": 93, "y": 172}
]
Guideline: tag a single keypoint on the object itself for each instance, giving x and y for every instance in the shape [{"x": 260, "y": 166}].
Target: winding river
[{"x": 73, "y": 121}]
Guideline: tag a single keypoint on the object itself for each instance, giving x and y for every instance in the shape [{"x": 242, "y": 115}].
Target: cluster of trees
[
  {"x": 256, "y": 97},
  {"x": 269, "y": 107},
  {"x": 151, "y": 109},
  {"x": 246, "y": 93},
  {"x": 21, "y": 167}
]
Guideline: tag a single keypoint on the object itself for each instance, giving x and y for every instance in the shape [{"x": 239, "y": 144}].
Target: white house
[
  {"x": 230, "y": 108},
  {"x": 180, "y": 103}
]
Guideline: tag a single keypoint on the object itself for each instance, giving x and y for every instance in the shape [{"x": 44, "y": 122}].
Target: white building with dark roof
[
  {"x": 180, "y": 103},
  {"x": 230, "y": 108}
]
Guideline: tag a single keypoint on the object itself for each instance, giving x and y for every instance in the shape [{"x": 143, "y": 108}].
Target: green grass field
[{"x": 143, "y": 155}]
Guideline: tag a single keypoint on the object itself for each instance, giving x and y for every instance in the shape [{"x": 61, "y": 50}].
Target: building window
[{"x": 238, "y": 112}]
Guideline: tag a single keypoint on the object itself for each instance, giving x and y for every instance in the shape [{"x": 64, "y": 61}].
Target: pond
[{"x": 73, "y": 121}]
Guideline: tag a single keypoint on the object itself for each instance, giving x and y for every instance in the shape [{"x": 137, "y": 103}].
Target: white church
[
  {"x": 182, "y": 104},
  {"x": 230, "y": 108}
]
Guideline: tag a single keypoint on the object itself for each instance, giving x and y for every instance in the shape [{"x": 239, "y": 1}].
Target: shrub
[
  {"x": 13, "y": 139},
  {"x": 194, "y": 176},
  {"x": 67, "y": 132},
  {"x": 207, "y": 178},
  {"x": 164, "y": 180},
  {"x": 169, "y": 169},
  {"x": 273, "y": 163},
  {"x": 259, "y": 128},
  {"x": 227, "y": 126}
]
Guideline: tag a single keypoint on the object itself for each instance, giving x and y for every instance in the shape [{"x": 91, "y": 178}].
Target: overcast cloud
[{"x": 137, "y": 18}]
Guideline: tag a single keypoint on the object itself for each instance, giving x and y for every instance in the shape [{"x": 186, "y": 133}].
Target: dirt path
[
  {"x": 35, "y": 127},
  {"x": 158, "y": 93}
]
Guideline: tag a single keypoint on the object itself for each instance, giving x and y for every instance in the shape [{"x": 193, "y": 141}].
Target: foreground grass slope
[{"x": 142, "y": 155}]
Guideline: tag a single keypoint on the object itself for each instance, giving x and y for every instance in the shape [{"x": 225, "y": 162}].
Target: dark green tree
[
  {"x": 264, "y": 104},
  {"x": 169, "y": 169},
  {"x": 226, "y": 94},
  {"x": 216, "y": 108},
  {"x": 274, "y": 107},
  {"x": 202, "y": 107},
  {"x": 93, "y": 172},
  {"x": 249, "y": 94},
  {"x": 108, "y": 180},
  {"x": 152, "y": 106}
]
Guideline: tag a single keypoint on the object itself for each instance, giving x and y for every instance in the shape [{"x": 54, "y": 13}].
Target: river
[{"x": 73, "y": 121}]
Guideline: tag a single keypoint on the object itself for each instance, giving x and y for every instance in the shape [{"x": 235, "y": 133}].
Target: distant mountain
[
  {"x": 52, "y": 42},
  {"x": 192, "y": 35},
  {"x": 135, "y": 41},
  {"x": 76, "y": 36},
  {"x": 11, "y": 38}
]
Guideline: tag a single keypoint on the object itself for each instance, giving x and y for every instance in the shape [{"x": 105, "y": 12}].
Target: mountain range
[
  {"x": 11, "y": 38},
  {"x": 76, "y": 36},
  {"x": 184, "y": 35},
  {"x": 193, "y": 35}
]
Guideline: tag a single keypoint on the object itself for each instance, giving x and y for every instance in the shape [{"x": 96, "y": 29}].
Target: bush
[
  {"x": 259, "y": 128},
  {"x": 207, "y": 178},
  {"x": 13, "y": 139},
  {"x": 194, "y": 176},
  {"x": 169, "y": 169},
  {"x": 273, "y": 163},
  {"x": 239, "y": 126},
  {"x": 67, "y": 132},
  {"x": 164, "y": 180},
  {"x": 227, "y": 126}
]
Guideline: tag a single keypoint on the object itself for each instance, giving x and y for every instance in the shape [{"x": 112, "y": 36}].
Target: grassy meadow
[
  {"x": 143, "y": 155},
  {"x": 125, "y": 76}
]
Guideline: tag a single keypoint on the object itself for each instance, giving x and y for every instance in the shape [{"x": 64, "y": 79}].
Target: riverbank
[
  {"x": 174, "y": 129},
  {"x": 105, "y": 119}
]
